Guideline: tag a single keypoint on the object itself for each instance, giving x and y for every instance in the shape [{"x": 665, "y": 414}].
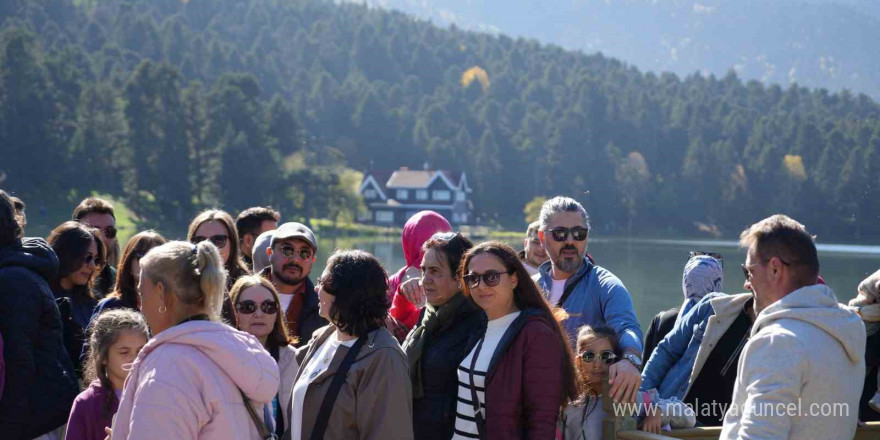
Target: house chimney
[{"x": 426, "y": 166}]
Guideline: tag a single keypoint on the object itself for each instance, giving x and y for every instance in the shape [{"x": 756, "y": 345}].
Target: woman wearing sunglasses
[
  {"x": 256, "y": 309},
  {"x": 218, "y": 227},
  {"x": 597, "y": 349},
  {"x": 80, "y": 258},
  {"x": 519, "y": 375}
]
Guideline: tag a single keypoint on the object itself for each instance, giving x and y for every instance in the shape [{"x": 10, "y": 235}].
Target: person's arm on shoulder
[
  {"x": 671, "y": 348},
  {"x": 384, "y": 398},
  {"x": 542, "y": 383},
  {"x": 773, "y": 382}
]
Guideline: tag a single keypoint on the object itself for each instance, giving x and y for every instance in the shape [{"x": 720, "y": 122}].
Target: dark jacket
[
  {"x": 525, "y": 384},
  {"x": 660, "y": 326},
  {"x": 40, "y": 383},
  {"x": 434, "y": 412},
  {"x": 309, "y": 320},
  {"x": 76, "y": 314},
  {"x": 106, "y": 282}
]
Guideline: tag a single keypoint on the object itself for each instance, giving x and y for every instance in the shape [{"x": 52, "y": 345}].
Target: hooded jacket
[
  {"x": 417, "y": 230},
  {"x": 804, "y": 360},
  {"x": 40, "y": 383},
  {"x": 185, "y": 384}
]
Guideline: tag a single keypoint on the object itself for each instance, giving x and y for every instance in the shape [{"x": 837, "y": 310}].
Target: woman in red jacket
[{"x": 514, "y": 382}]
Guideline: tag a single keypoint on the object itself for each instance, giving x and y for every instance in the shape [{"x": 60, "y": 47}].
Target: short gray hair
[{"x": 562, "y": 204}]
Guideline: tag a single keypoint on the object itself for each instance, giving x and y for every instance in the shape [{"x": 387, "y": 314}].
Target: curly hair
[{"x": 358, "y": 283}]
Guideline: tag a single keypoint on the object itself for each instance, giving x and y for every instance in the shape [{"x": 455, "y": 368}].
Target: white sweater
[{"x": 803, "y": 362}]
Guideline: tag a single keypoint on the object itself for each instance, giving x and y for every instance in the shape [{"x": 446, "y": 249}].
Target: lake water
[{"x": 652, "y": 269}]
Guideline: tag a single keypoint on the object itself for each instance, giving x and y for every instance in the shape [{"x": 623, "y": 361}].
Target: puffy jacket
[
  {"x": 40, "y": 383},
  {"x": 594, "y": 296},
  {"x": 524, "y": 380},
  {"x": 187, "y": 383}
]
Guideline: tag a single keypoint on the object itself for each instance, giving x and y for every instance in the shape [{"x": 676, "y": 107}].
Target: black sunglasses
[
  {"x": 490, "y": 278},
  {"x": 714, "y": 255},
  {"x": 89, "y": 259},
  {"x": 247, "y": 307},
  {"x": 607, "y": 356},
  {"x": 219, "y": 240},
  {"x": 110, "y": 232},
  {"x": 578, "y": 233},
  {"x": 290, "y": 251}
]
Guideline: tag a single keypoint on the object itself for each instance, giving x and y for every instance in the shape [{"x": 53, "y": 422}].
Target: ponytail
[
  {"x": 193, "y": 273},
  {"x": 211, "y": 276}
]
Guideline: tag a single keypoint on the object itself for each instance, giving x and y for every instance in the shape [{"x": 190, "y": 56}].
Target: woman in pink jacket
[{"x": 196, "y": 375}]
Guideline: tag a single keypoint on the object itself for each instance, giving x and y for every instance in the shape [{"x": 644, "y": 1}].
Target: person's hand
[
  {"x": 624, "y": 379},
  {"x": 413, "y": 292},
  {"x": 652, "y": 421},
  {"x": 108, "y": 432}
]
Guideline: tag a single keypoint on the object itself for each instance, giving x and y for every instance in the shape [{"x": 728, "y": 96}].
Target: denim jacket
[
  {"x": 680, "y": 356},
  {"x": 597, "y": 297}
]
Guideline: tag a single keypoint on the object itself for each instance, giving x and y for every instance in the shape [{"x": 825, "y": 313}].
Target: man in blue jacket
[
  {"x": 589, "y": 294},
  {"x": 40, "y": 383}
]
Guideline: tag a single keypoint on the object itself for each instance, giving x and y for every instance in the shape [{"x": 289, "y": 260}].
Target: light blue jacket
[
  {"x": 680, "y": 356},
  {"x": 597, "y": 297}
]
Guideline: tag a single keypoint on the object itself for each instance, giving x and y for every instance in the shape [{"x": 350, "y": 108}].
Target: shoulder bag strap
[
  {"x": 261, "y": 427},
  {"x": 479, "y": 419},
  {"x": 333, "y": 391}
]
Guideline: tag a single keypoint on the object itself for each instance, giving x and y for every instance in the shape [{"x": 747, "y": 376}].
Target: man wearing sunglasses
[
  {"x": 98, "y": 213},
  {"x": 292, "y": 252},
  {"x": 588, "y": 293},
  {"x": 801, "y": 373}
]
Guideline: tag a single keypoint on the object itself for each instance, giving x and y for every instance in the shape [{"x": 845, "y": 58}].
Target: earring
[{"x": 163, "y": 309}]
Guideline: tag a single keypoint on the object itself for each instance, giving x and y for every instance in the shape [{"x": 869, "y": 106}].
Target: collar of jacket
[
  {"x": 509, "y": 335},
  {"x": 376, "y": 340},
  {"x": 309, "y": 301}
]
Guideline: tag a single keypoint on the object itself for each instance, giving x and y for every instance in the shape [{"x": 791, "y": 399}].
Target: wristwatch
[{"x": 634, "y": 359}]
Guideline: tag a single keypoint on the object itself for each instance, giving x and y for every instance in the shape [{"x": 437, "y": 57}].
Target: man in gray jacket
[{"x": 801, "y": 372}]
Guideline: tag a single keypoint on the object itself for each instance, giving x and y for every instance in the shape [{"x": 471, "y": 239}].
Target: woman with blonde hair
[{"x": 197, "y": 378}]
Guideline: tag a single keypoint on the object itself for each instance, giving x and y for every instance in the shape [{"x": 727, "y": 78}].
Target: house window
[
  {"x": 459, "y": 196},
  {"x": 441, "y": 194},
  {"x": 422, "y": 194},
  {"x": 402, "y": 194},
  {"x": 384, "y": 216},
  {"x": 370, "y": 194},
  {"x": 365, "y": 216}
]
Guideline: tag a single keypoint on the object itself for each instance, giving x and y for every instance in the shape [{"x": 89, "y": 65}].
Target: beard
[
  {"x": 568, "y": 264},
  {"x": 289, "y": 280}
]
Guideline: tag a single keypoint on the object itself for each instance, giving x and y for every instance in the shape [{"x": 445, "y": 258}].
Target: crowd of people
[{"x": 229, "y": 335}]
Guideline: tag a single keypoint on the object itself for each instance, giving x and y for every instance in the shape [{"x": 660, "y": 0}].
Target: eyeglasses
[
  {"x": 290, "y": 252},
  {"x": 110, "y": 232},
  {"x": 578, "y": 233},
  {"x": 247, "y": 307},
  {"x": 219, "y": 240},
  {"x": 607, "y": 356},
  {"x": 91, "y": 259},
  {"x": 748, "y": 273},
  {"x": 714, "y": 255},
  {"x": 490, "y": 278}
]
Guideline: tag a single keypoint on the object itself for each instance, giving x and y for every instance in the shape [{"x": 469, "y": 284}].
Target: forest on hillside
[{"x": 176, "y": 105}]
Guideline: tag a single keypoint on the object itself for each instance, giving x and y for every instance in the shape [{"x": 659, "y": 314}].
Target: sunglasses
[
  {"x": 91, "y": 259},
  {"x": 748, "y": 273},
  {"x": 445, "y": 236},
  {"x": 110, "y": 232},
  {"x": 219, "y": 240},
  {"x": 490, "y": 278},
  {"x": 290, "y": 252},
  {"x": 247, "y": 307},
  {"x": 578, "y": 233},
  {"x": 607, "y": 356}
]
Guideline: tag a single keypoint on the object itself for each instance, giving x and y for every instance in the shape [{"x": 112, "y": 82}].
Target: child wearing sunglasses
[{"x": 597, "y": 349}]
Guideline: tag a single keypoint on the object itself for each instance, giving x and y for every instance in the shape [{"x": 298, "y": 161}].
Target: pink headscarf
[{"x": 417, "y": 230}]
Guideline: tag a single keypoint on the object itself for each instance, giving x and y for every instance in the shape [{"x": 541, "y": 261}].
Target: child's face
[
  {"x": 593, "y": 371},
  {"x": 122, "y": 352}
]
